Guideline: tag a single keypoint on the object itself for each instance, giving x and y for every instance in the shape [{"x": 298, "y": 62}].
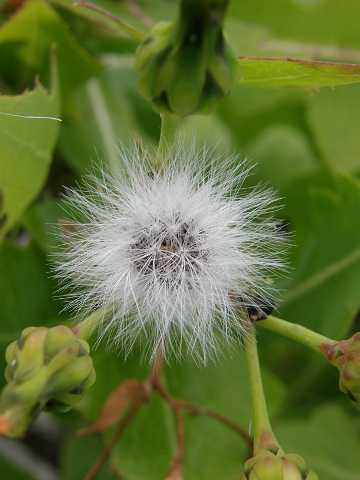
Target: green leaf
[
  {"x": 333, "y": 118},
  {"x": 248, "y": 111},
  {"x": 328, "y": 441},
  {"x": 108, "y": 110},
  {"x": 212, "y": 450},
  {"x": 79, "y": 455},
  {"x": 145, "y": 450},
  {"x": 25, "y": 42},
  {"x": 322, "y": 290},
  {"x": 41, "y": 220},
  {"x": 322, "y": 22},
  {"x": 26, "y": 146},
  {"x": 283, "y": 154},
  {"x": 327, "y": 254},
  {"x": 289, "y": 72}
]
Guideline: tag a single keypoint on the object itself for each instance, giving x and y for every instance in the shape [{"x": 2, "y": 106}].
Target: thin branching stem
[
  {"x": 198, "y": 409},
  {"x": 300, "y": 334},
  {"x": 175, "y": 471},
  {"x": 108, "y": 449}
]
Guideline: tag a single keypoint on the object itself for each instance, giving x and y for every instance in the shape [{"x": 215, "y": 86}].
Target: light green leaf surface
[
  {"x": 334, "y": 119},
  {"x": 323, "y": 291},
  {"x": 145, "y": 450},
  {"x": 26, "y": 146},
  {"x": 42, "y": 221},
  {"x": 25, "y": 42},
  {"x": 108, "y": 111},
  {"x": 79, "y": 455},
  {"x": 247, "y": 112},
  {"x": 289, "y": 72},
  {"x": 325, "y": 22},
  {"x": 283, "y": 154}
]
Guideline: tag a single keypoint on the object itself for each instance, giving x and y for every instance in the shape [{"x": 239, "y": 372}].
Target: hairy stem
[
  {"x": 263, "y": 435},
  {"x": 296, "y": 332},
  {"x": 85, "y": 328},
  {"x": 169, "y": 124}
]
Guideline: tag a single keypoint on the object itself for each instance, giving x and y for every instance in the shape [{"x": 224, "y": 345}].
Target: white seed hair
[{"x": 170, "y": 254}]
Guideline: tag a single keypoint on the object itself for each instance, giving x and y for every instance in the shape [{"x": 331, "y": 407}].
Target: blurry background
[{"x": 70, "y": 62}]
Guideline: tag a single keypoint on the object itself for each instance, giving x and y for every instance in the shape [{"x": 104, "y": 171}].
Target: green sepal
[
  {"x": 269, "y": 466},
  {"x": 48, "y": 369},
  {"x": 186, "y": 67}
]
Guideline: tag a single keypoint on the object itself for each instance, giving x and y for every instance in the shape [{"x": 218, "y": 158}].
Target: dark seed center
[{"x": 169, "y": 251}]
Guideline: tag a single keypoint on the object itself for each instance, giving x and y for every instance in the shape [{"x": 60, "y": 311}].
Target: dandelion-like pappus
[{"x": 168, "y": 252}]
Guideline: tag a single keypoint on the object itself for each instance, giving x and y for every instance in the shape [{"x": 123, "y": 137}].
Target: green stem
[
  {"x": 296, "y": 332},
  {"x": 263, "y": 435},
  {"x": 85, "y": 328},
  {"x": 169, "y": 124}
]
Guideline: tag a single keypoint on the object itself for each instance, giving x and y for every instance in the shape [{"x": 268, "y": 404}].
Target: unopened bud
[
  {"x": 48, "y": 369},
  {"x": 187, "y": 66},
  {"x": 270, "y": 466},
  {"x": 345, "y": 355}
]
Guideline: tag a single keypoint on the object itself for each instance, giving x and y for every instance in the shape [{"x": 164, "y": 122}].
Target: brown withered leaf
[{"x": 115, "y": 405}]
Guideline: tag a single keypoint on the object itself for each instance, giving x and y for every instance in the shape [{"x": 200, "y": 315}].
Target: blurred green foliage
[{"x": 69, "y": 62}]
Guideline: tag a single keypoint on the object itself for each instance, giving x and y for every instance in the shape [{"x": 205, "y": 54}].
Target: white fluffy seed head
[{"x": 170, "y": 255}]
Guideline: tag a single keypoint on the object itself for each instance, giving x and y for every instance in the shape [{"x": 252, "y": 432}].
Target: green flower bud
[
  {"x": 48, "y": 369},
  {"x": 270, "y": 466},
  {"x": 345, "y": 355},
  {"x": 187, "y": 66}
]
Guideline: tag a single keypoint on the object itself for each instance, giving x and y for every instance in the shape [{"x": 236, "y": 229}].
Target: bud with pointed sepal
[
  {"x": 187, "y": 67},
  {"x": 345, "y": 356},
  {"x": 267, "y": 465},
  {"x": 48, "y": 369}
]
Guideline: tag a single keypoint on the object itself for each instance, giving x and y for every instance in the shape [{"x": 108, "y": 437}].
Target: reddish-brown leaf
[{"x": 115, "y": 405}]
